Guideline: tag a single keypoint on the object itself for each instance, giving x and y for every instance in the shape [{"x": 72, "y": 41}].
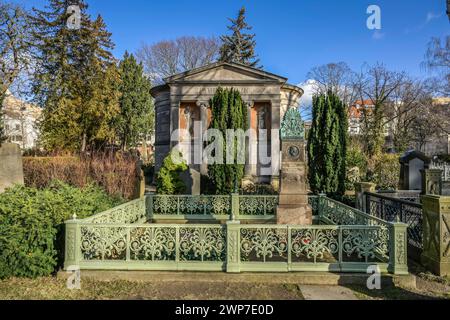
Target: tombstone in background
[
  {"x": 11, "y": 168},
  {"x": 432, "y": 182},
  {"x": 293, "y": 207},
  {"x": 412, "y": 163}
]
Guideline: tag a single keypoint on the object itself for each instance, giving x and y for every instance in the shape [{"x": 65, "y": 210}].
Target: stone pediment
[{"x": 226, "y": 72}]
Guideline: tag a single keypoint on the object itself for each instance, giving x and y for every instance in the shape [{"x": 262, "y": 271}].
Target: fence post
[
  {"x": 361, "y": 188},
  {"x": 320, "y": 204},
  {"x": 72, "y": 244},
  {"x": 398, "y": 248},
  {"x": 233, "y": 247},
  {"x": 436, "y": 234},
  {"x": 149, "y": 205},
  {"x": 235, "y": 206}
]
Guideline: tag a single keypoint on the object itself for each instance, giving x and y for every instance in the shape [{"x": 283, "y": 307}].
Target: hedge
[
  {"x": 115, "y": 173},
  {"x": 31, "y": 225}
]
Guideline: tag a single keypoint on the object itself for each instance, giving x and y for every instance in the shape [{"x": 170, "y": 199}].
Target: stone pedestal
[
  {"x": 360, "y": 189},
  {"x": 436, "y": 234},
  {"x": 293, "y": 207}
]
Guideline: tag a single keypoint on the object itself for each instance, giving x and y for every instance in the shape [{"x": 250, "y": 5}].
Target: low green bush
[
  {"x": 31, "y": 225},
  {"x": 356, "y": 167},
  {"x": 168, "y": 180},
  {"x": 386, "y": 173}
]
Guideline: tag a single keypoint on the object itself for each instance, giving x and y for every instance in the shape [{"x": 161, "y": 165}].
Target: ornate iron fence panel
[
  {"x": 210, "y": 247},
  {"x": 393, "y": 209},
  {"x": 159, "y": 247},
  {"x": 256, "y": 205},
  {"x": 338, "y": 213},
  {"x": 296, "y": 248},
  {"x": 191, "y": 205},
  {"x": 130, "y": 212}
]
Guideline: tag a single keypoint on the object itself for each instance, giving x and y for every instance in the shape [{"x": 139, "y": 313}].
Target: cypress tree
[
  {"x": 136, "y": 119},
  {"x": 239, "y": 46},
  {"x": 327, "y": 145},
  {"x": 228, "y": 112}
]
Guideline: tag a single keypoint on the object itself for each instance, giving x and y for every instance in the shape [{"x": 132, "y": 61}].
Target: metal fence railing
[
  {"x": 347, "y": 240},
  {"x": 393, "y": 209}
]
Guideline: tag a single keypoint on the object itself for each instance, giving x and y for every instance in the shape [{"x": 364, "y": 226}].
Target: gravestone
[
  {"x": 11, "y": 169},
  {"x": 293, "y": 207},
  {"x": 412, "y": 163}
]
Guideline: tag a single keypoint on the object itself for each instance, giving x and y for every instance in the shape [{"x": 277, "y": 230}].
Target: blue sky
[{"x": 292, "y": 35}]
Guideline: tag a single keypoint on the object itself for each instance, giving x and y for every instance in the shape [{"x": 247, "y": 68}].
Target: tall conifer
[
  {"x": 327, "y": 145},
  {"x": 239, "y": 46},
  {"x": 228, "y": 112},
  {"x": 136, "y": 119}
]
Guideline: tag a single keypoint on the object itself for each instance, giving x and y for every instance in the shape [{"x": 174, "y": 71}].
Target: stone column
[
  {"x": 276, "y": 143},
  {"x": 361, "y": 188},
  {"x": 432, "y": 181},
  {"x": 436, "y": 234},
  {"x": 203, "y": 105},
  {"x": 247, "y": 179}
]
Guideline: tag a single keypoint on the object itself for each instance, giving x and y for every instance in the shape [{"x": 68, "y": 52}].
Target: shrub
[
  {"x": 356, "y": 167},
  {"x": 116, "y": 173},
  {"x": 168, "y": 180},
  {"x": 386, "y": 171},
  {"x": 31, "y": 225},
  {"x": 258, "y": 189}
]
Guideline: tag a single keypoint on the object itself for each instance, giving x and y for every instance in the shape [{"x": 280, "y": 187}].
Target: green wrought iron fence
[
  {"x": 218, "y": 207},
  {"x": 131, "y": 212},
  {"x": 393, "y": 209},
  {"x": 353, "y": 240},
  {"x": 235, "y": 248}
]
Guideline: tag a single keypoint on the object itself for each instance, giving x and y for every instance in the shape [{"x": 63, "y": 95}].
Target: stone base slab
[
  {"x": 294, "y": 215},
  {"x": 298, "y": 278}
]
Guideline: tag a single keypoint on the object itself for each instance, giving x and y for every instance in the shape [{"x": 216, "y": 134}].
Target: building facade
[
  {"x": 20, "y": 122},
  {"x": 184, "y": 100}
]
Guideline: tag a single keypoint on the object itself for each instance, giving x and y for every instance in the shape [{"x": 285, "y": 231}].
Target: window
[{"x": 17, "y": 126}]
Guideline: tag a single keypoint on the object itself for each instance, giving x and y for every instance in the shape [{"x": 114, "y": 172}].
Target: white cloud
[
  {"x": 308, "y": 88},
  {"x": 432, "y": 16}
]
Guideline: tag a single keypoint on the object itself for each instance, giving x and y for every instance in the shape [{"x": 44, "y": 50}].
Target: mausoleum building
[{"x": 184, "y": 99}]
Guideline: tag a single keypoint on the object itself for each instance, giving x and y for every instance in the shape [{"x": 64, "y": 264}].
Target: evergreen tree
[
  {"x": 136, "y": 119},
  {"x": 228, "y": 112},
  {"x": 239, "y": 46},
  {"x": 76, "y": 81},
  {"x": 327, "y": 145}
]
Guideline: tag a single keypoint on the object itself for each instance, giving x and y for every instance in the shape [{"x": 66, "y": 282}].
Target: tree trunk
[{"x": 83, "y": 143}]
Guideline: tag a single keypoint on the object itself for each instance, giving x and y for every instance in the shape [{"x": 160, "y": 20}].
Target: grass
[{"x": 52, "y": 288}]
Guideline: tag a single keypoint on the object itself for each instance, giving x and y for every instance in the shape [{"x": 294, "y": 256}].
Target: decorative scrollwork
[
  {"x": 165, "y": 204},
  {"x": 130, "y": 212},
  {"x": 103, "y": 243},
  {"x": 263, "y": 243},
  {"x": 257, "y": 205},
  {"x": 366, "y": 243},
  {"x": 202, "y": 243},
  {"x": 314, "y": 243},
  {"x": 153, "y": 243}
]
